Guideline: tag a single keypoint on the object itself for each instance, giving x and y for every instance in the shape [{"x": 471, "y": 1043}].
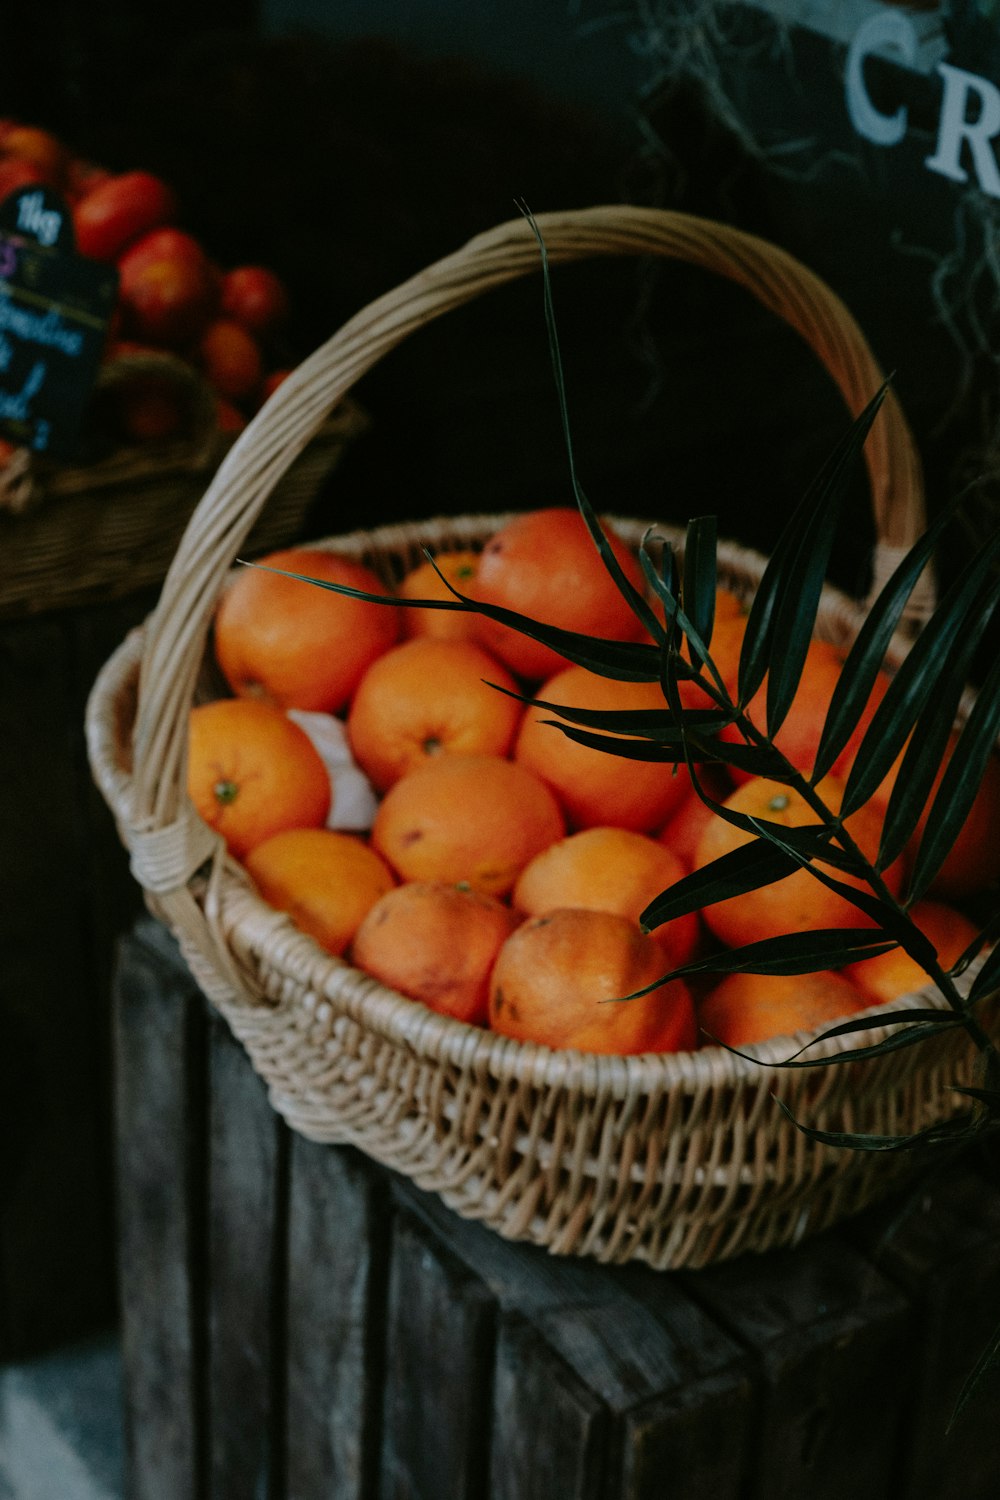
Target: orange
[
  {"x": 799, "y": 736},
  {"x": 252, "y": 772},
  {"x": 429, "y": 697},
  {"x": 298, "y": 645},
  {"x": 799, "y": 902},
  {"x": 889, "y": 975},
  {"x": 424, "y": 582},
  {"x": 594, "y": 786},
  {"x": 543, "y": 564},
  {"x": 608, "y": 869},
  {"x": 746, "y": 1008},
  {"x": 688, "y": 821},
  {"x": 973, "y": 862},
  {"x": 561, "y": 980},
  {"x": 325, "y": 881},
  {"x": 474, "y": 818},
  {"x": 729, "y": 606},
  {"x": 436, "y": 943}
]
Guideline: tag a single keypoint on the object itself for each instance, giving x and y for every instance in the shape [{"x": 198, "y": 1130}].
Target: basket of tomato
[{"x": 193, "y": 349}]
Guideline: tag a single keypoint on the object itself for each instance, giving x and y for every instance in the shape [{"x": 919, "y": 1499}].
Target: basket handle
[{"x": 179, "y": 626}]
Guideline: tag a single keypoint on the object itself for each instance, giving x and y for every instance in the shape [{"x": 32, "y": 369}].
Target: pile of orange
[{"x": 503, "y": 876}]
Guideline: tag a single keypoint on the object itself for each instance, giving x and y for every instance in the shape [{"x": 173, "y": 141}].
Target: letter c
[{"x": 889, "y": 31}]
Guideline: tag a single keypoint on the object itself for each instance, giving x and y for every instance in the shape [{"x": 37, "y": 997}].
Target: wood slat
[
  {"x": 247, "y": 1187},
  {"x": 550, "y": 1432},
  {"x": 335, "y": 1291},
  {"x": 160, "y": 1058},
  {"x": 940, "y": 1242},
  {"x": 829, "y": 1339},
  {"x": 640, "y": 1368},
  {"x": 440, "y": 1336}
]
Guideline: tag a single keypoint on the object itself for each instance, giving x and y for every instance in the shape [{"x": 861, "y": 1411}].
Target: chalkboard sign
[{"x": 54, "y": 312}]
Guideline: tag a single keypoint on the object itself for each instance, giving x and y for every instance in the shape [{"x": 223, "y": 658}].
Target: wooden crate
[{"x": 300, "y": 1323}]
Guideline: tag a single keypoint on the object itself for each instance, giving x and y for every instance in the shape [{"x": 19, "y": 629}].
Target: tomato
[
  {"x": 158, "y": 244},
  {"x": 169, "y": 301},
  {"x": 118, "y": 210},
  {"x": 256, "y": 298},
  {"x": 15, "y": 174}
]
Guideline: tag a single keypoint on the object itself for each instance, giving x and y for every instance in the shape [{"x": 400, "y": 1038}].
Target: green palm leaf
[
  {"x": 624, "y": 661},
  {"x": 682, "y": 625},
  {"x": 648, "y": 723},
  {"x": 885, "y": 916},
  {"x": 914, "y": 1026},
  {"x": 987, "y": 1361},
  {"x": 677, "y": 753},
  {"x": 916, "y": 681},
  {"x": 780, "y": 623},
  {"x": 744, "y": 869},
  {"x": 925, "y": 752},
  {"x": 867, "y": 654},
  {"x": 987, "y": 979},
  {"x": 701, "y": 575},
  {"x": 637, "y": 603},
  {"x": 958, "y": 1128},
  {"x": 960, "y": 783},
  {"x": 793, "y": 953},
  {"x": 797, "y": 599}
]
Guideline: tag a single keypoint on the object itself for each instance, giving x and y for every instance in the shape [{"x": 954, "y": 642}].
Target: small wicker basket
[
  {"x": 104, "y": 530},
  {"x": 673, "y": 1159}
]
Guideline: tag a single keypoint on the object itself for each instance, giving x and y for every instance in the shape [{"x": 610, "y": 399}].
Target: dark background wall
[{"x": 349, "y": 144}]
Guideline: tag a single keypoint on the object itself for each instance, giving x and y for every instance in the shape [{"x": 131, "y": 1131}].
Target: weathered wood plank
[
  {"x": 667, "y": 1390},
  {"x": 160, "y": 1079},
  {"x": 247, "y": 1184},
  {"x": 550, "y": 1433},
  {"x": 941, "y": 1243},
  {"x": 830, "y": 1338},
  {"x": 335, "y": 1291},
  {"x": 440, "y": 1336}
]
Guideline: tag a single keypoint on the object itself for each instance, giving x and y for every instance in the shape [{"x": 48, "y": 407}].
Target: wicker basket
[
  {"x": 675, "y": 1160},
  {"x": 108, "y": 529}
]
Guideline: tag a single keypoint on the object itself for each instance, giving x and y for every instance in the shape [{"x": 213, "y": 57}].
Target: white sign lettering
[
  {"x": 34, "y": 218},
  {"x": 970, "y": 104},
  {"x": 891, "y": 32},
  {"x": 16, "y": 406}
]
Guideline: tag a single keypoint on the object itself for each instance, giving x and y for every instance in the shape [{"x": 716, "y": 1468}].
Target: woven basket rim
[{"x": 439, "y": 1038}]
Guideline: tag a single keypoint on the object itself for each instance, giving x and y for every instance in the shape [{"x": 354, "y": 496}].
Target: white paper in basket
[{"x": 354, "y": 802}]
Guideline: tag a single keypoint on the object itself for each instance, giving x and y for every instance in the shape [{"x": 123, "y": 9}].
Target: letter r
[{"x": 953, "y": 128}]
